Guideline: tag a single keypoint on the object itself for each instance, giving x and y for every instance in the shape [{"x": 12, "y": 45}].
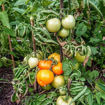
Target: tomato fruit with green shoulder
[
  {"x": 61, "y": 100},
  {"x": 58, "y": 81},
  {"x": 53, "y": 25},
  {"x": 68, "y": 22},
  {"x": 80, "y": 58}
]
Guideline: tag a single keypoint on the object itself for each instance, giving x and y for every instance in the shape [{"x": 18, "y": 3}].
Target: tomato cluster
[
  {"x": 54, "y": 25},
  {"x": 47, "y": 69}
]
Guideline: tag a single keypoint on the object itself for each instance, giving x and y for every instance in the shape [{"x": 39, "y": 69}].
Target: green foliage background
[{"x": 90, "y": 27}]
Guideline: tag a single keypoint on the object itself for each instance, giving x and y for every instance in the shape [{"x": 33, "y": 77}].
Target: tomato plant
[{"x": 32, "y": 30}]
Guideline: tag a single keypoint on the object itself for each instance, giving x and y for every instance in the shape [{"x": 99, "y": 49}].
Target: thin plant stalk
[{"x": 10, "y": 45}]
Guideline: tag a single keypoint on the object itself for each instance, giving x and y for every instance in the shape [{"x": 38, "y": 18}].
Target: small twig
[
  {"x": 69, "y": 84},
  {"x": 85, "y": 61},
  {"x": 3, "y": 8},
  {"x": 33, "y": 40},
  {"x": 34, "y": 47},
  {"x": 60, "y": 43},
  {"x": 42, "y": 92},
  {"x": 10, "y": 46},
  {"x": 5, "y": 82},
  {"x": 61, "y": 9}
]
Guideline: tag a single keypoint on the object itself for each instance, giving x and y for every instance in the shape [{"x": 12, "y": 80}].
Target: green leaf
[
  {"x": 8, "y": 31},
  {"x": 101, "y": 86},
  {"x": 74, "y": 4},
  {"x": 1, "y": 64},
  {"x": 94, "y": 40},
  {"x": 94, "y": 50},
  {"x": 81, "y": 29},
  {"x": 19, "y": 10},
  {"x": 66, "y": 67},
  {"x": 4, "y": 19},
  {"x": 103, "y": 95},
  {"x": 95, "y": 6},
  {"x": 90, "y": 99},
  {"x": 47, "y": 102},
  {"x": 46, "y": 2},
  {"x": 20, "y": 2},
  {"x": 14, "y": 97},
  {"x": 98, "y": 97},
  {"x": 2, "y": 2},
  {"x": 93, "y": 75}
]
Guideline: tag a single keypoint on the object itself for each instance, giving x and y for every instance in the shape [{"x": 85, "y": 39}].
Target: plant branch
[
  {"x": 33, "y": 40},
  {"x": 61, "y": 7},
  {"x": 10, "y": 46},
  {"x": 9, "y": 39}
]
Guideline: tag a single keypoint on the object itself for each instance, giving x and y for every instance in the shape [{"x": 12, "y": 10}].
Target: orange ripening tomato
[
  {"x": 57, "y": 69},
  {"x": 55, "y": 56},
  {"x": 44, "y": 77},
  {"x": 44, "y": 64}
]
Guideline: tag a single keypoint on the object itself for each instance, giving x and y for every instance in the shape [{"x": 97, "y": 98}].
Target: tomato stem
[
  {"x": 10, "y": 45},
  {"x": 61, "y": 7},
  {"x": 33, "y": 40}
]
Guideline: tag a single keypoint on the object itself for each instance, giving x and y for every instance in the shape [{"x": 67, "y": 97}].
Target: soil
[{"x": 6, "y": 88}]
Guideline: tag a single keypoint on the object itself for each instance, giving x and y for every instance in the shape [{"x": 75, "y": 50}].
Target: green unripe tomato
[
  {"x": 63, "y": 33},
  {"x": 53, "y": 25},
  {"x": 61, "y": 100},
  {"x": 68, "y": 22},
  {"x": 58, "y": 81},
  {"x": 62, "y": 90},
  {"x": 80, "y": 58},
  {"x": 33, "y": 62}
]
